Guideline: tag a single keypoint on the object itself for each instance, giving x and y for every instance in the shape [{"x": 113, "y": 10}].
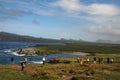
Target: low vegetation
[
  {"x": 64, "y": 71},
  {"x": 82, "y": 48}
]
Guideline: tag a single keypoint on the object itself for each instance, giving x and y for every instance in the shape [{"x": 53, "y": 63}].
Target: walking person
[{"x": 22, "y": 65}]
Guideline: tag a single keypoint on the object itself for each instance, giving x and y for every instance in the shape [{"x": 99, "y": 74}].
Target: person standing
[
  {"x": 12, "y": 60},
  {"x": 88, "y": 60},
  {"x": 99, "y": 60},
  {"x": 43, "y": 60},
  {"x": 81, "y": 60},
  {"x": 102, "y": 60},
  {"x": 54, "y": 60},
  {"x": 111, "y": 60},
  {"x": 95, "y": 59},
  {"x": 78, "y": 60},
  {"x": 108, "y": 60}
]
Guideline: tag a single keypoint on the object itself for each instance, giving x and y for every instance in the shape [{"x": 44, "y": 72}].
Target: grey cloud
[
  {"x": 23, "y": 8},
  {"x": 15, "y": 12},
  {"x": 36, "y": 22},
  {"x": 12, "y": 13}
]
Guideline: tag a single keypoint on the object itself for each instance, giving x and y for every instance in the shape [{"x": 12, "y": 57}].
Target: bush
[
  {"x": 74, "y": 78},
  {"x": 67, "y": 62}
]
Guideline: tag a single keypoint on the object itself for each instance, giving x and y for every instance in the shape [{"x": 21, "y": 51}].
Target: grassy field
[
  {"x": 82, "y": 48},
  {"x": 92, "y": 49},
  {"x": 67, "y": 69}
]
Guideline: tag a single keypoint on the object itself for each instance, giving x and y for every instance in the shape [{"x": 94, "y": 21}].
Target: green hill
[{"x": 5, "y": 36}]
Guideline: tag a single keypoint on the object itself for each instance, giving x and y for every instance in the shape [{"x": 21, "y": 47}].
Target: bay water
[{"x": 6, "y": 53}]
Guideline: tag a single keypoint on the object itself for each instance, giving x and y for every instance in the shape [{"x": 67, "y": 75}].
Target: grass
[
  {"x": 93, "y": 49},
  {"x": 81, "y": 48},
  {"x": 7, "y": 73},
  {"x": 63, "y": 70}
]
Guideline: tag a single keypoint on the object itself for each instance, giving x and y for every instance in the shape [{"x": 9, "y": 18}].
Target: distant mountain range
[
  {"x": 5, "y": 36},
  {"x": 108, "y": 41}
]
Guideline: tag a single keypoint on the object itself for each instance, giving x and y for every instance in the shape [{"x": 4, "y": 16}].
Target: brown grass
[{"x": 69, "y": 71}]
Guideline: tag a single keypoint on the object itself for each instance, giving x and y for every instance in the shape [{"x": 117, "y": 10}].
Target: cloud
[
  {"x": 72, "y": 8},
  {"x": 68, "y": 5},
  {"x": 77, "y": 7},
  {"x": 11, "y": 13},
  {"x": 16, "y": 12},
  {"x": 109, "y": 29},
  {"x": 21, "y": 8},
  {"x": 103, "y": 18},
  {"x": 102, "y": 9},
  {"x": 36, "y": 22}
]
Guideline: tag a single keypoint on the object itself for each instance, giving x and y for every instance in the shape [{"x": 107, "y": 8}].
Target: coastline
[
  {"x": 77, "y": 53},
  {"x": 34, "y": 51}
]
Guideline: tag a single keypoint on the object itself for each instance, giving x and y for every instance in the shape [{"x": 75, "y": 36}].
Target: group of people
[
  {"x": 95, "y": 60},
  {"x": 102, "y": 60},
  {"x": 54, "y": 60},
  {"x": 24, "y": 62},
  {"x": 79, "y": 60},
  {"x": 109, "y": 60}
]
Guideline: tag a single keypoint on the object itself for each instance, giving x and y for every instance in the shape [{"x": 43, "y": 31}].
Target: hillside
[{"x": 4, "y": 36}]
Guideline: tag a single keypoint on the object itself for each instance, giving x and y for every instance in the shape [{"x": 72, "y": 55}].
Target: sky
[{"x": 88, "y": 20}]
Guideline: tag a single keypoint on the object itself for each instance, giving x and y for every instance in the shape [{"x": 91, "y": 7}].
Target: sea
[{"x": 6, "y": 53}]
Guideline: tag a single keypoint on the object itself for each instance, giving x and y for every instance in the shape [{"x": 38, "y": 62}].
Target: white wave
[
  {"x": 15, "y": 53},
  {"x": 34, "y": 62},
  {"x": 7, "y": 50},
  {"x": 37, "y": 62}
]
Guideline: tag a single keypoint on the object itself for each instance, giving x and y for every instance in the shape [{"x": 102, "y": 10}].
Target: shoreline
[
  {"x": 64, "y": 52},
  {"x": 77, "y": 53},
  {"x": 34, "y": 51}
]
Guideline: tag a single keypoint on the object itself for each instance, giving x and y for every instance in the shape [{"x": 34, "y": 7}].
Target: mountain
[{"x": 5, "y": 36}]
